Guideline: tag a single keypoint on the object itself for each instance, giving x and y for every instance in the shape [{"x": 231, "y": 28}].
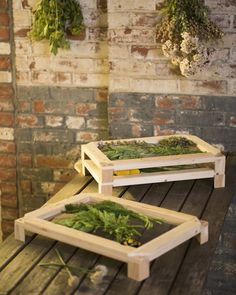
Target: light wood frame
[
  {"x": 95, "y": 162},
  {"x": 138, "y": 259}
]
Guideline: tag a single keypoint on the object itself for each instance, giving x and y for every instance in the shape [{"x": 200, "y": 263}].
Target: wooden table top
[{"x": 177, "y": 272}]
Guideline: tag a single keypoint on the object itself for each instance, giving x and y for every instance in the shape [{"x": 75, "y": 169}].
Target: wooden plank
[
  {"x": 214, "y": 214},
  {"x": 186, "y": 174},
  {"x": 22, "y": 264},
  {"x": 164, "y": 161},
  {"x": 9, "y": 248},
  {"x": 165, "y": 268},
  {"x": 204, "y": 146},
  {"x": 39, "y": 277}
]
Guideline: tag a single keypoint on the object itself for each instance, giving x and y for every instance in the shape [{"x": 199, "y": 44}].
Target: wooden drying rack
[{"x": 102, "y": 169}]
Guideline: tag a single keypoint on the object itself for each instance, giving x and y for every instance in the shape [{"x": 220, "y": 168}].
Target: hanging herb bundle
[
  {"x": 186, "y": 31},
  {"x": 109, "y": 217},
  {"x": 53, "y": 20}
]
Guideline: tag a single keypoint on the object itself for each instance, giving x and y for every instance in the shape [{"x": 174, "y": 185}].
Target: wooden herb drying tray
[
  {"x": 138, "y": 259},
  {"x": 95, "y": 162}
]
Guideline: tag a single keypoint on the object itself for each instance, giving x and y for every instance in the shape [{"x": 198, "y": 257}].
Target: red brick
[
  {"x": 52, "y": 161},
  {"x": 39, "y": 106},
  {"x": 9, "y": 201},
  {"x": 5, "y": 63},
  {"x": 22, "y": 33},
  {"x": 189, "y": 102},
  {"x": 7, "y": 174},
  {"x": 8, "y": 188},
  {"x": 4, "y": 18},
  {"x": 7, "y": 147},
  {"x": 165, "y": 102},
  {"x": 23, "y": 106},
  {"x": 6, "y": 91},
  {"x": 85, "y": 108},
  {"x": 6, "y": 106},
  {"x": 6, "y": 119},
  {"x": 9, "y": 213},
  {"x": 3, "y": 4},
  {"x": 8, "y": 161},
  {"x": 4, "y": 34},
  {"x": 25, "y": 160},
  {"x": 27, "y": 121},
  {"x": 25, "y": 186}
]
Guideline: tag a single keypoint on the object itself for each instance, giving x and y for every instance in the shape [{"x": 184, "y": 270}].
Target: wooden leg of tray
[
  {"x": 139, "y": 269},
  {"x": 84, "y": 171},
  {"x": 105, "y": 189},
  {"x": 19, "y": 230},
  {"x": 219, "y": 179},
  {"x": 203, "y": 236}
]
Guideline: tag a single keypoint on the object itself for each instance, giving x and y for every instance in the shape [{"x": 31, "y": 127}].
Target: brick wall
[
  {"x": 8, "y": 188},
  {"x": 147, "y": 98},
  {"x": 138, "y": 65}
]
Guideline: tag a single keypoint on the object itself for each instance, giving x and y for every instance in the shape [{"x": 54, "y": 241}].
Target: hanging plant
[
  {"x": 186, "y": 32},
  {"x": 53, "y": 20}
]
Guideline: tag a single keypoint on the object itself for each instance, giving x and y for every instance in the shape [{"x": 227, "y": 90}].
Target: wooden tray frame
[
  {"x": 138, "y": 259},
  {"x": 102, "y": 169}
]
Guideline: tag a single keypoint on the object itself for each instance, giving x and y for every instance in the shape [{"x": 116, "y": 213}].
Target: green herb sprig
[
  {"x": 140, "y": 149},
  {"x": 53, "y": 20},
  {"x": 109, "y": 217}
]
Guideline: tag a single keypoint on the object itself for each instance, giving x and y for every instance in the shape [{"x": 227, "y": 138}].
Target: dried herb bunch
[
  {"x": 53, "y": 20},
  {"x": 186, "y": 31}
]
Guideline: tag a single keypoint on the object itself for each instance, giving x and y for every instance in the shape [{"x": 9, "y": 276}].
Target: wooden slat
[
  {"x": 164, "y": 161},
  {"x": 214, "y": 214},
  {"x": 186, "y": 174}
]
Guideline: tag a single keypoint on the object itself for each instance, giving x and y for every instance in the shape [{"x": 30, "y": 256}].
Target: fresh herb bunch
[
  {"x": 186, "y": 16},
  {"x": 140, "y": 149},
  {"x": 53, "y": 19},
  {"x": 110, "y": 217}
]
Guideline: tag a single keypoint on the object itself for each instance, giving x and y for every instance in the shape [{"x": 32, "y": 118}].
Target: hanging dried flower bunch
[{"x": 186, "y": 32}]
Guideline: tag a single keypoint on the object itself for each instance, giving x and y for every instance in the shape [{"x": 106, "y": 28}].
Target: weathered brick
[
  {"x": 39, "y": 106},
  {"x": 85, "y": 108},
  {"x": 8, "y": 161},
  {"x": 75, "y": 122},
  {"x": 52, "y": 161},
  {"x": 7, "y": 147},
  {"x": 53, "y": 136},
  {"x": 5, "y": 48},
  {"x": 3, "y": 4},
  {"x": 7, "y": 174},
  {"x": 6, "y": 133},
  {"x": 28, "y": 121},
  {"x": 25, "y": 186},
  {"x": 54, "y": 121},
  {"x": 4, "y": 18},
  {"x": 6, "y": 119},
  {"x": 23, "y": 106},
  {"x": 4, "y": 34},
  {"x": 8, "y": 188},
  {"x": 25, "y": 160},
  {"x": 84, "y": 136},
  {"x": 7, "y": 227},
  {"x": 64, "y": 175},
  {"x": 9, "y": 201},
  {"x": 6, "y": 91},
  {"x": 9, "y": 213},
  {"x": 5, "y": 63},
  {"x": 6, "y": 106}
]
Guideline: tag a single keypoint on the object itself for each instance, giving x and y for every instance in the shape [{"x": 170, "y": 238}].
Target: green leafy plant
[
  {"x": 185, "y": 31},
  {"x": 109, "y": 217},
  {"x": 53, "y": 20},
  {"x": 140, "y": 149}
]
